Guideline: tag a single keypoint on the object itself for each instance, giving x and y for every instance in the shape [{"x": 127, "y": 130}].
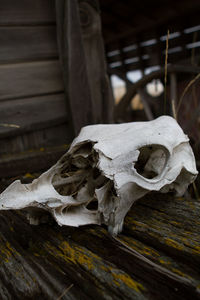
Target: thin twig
[
  {"x": 185, "y": 91},
  {"x": 174, "y": 109},
  {"x": 65, "y": 291},
  {"x": 165, "y": 79}
]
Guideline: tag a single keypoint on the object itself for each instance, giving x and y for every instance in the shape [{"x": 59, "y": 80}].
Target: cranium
[{"x": 108, "y": 168}]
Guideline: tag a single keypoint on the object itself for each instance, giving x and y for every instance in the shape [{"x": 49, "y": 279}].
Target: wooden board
[
  {"x": 55, "y": 135},
  {"x": 28, "y": 162},
  {"x": 23, "y": 12},
  {"x": 32, "y": 78},
  {"x": 29, "y": 114},
  {"x": 71, "y": 53},
  {"x": 27, "y": 43},
  {"x": 84, "y": 70},
  {"x": 156, "y": 257}
]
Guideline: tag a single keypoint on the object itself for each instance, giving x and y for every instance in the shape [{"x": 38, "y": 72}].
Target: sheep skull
[{"x": 108, "y": 168}]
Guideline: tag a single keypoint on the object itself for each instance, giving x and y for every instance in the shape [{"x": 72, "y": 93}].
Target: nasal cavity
[{"x": 151, "y": 161}]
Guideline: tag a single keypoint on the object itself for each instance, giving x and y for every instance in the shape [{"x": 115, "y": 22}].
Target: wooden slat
[
  {"x": 150, "y": 34},
  {"x": 71, "y": 52},
  {"x": 27, "y": 43},
  {"x": 153, "y": 60},
  {"x": 101, "y": 95},
  {"x": 84, "y": 69},
  {"x": 27, "y": 79},
  {"x": 27, "y": 12},
  {"x": 32, "y": 114},
  {"x": 151, "y": 50},
  {"x": 30, "y": 161},
  {"x": 46, "y": 137}
]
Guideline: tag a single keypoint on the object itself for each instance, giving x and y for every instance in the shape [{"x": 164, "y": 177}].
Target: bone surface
[{"x": 108, "y": 168}]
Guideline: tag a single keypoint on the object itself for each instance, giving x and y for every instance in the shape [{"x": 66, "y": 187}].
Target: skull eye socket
[{"x": 151, "y": 161}]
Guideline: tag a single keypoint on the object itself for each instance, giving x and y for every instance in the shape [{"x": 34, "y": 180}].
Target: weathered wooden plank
[
  {"x": 84, "y": 70},
  {"x": 27, "y": 43},
  {"x": 29, "y": 114},
  {"x": 29, "y": 161},
  {"x": 28, "y": 79},
  {"x": 170, "y": 225},
  {"x": 101, "y": 95},
  {"x": 74, "y": 68},
  {"x": 132, "y": 259},
  {"x": 48, "y": 137},
  {"x": 133, "y": 266},
  {"x": 27, "y": 12},
  {"x": 88, "y": 272},
  {"x": 31, "y": 279}
]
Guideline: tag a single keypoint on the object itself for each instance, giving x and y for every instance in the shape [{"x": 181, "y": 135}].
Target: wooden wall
[{"x": 31, "y": 85}]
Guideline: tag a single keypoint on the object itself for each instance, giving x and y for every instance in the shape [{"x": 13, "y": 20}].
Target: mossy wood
[{"x": 156, "y": 257}]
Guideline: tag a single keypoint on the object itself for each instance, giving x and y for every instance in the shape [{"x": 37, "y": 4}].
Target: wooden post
[
  {"x": 101, "y": 93},
  {"x": 81, "y": 52}
]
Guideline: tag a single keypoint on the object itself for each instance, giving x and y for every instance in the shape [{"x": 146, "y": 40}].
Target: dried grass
[
  {"x": 165, "y": 78},
  {"x": 186, "y": 90}
]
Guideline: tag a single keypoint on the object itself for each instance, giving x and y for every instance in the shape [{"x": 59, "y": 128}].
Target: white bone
[{"x": 108, "y": 168}]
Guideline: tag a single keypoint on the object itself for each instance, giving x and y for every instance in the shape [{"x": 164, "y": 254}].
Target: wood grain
[
  {"x": 27, "y": 12},
  {"x": 30, "y": 161},
  {"x": 156, "y": 257},
  {"x": 51, "y": 136},
  {"x": 101, "y": 95},
  {"x": 71, "y": 53},
  {"x": 84, "y": 70},
  {"x": 22, "y": 43},
  {"x": 28, "y": 79},
  {"x": 31, "y": 114}
]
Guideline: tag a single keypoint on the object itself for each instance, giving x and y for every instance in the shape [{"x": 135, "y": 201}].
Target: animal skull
[{"x": 107, "y": 168}]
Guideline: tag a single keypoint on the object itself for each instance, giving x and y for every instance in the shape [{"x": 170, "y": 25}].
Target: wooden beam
[
  {"x": 83, "y": 63},
  {"x": 101, "y": 95},
  {"x": 157, "y": 48},
  {"x": 74, "y": 68}
]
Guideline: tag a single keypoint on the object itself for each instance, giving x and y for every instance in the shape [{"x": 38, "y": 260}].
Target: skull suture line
[{"x": 107, "y": 168}]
